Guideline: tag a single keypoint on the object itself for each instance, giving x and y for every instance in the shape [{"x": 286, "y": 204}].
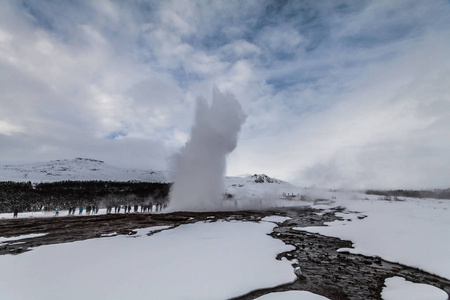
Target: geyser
[{"x": 199, "y": 168}]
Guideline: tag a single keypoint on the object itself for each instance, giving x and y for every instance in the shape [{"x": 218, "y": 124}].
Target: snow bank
[
  {"x": 275, "y": 219},
  {"x": 397, "y": 288},
  {"x": 198, "y": 261},
  {"x": 21, "y": 237}
]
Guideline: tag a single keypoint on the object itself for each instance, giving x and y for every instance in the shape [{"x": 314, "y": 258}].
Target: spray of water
[{"x": 199, "y": 168}]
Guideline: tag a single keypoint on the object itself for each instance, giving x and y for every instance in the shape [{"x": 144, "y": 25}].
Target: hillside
[
  {"x": 85, "y": 169},
  {"x": 258, "y": 187},
  {"x": 81, "y": 181},
  {"x": 78, "y": 169}
]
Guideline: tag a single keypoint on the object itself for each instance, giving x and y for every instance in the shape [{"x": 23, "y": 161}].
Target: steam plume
[{"x": 199, "y": 168}]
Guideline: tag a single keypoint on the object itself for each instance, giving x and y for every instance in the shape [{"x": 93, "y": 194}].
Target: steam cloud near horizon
[{"x": 199, "y": 168}]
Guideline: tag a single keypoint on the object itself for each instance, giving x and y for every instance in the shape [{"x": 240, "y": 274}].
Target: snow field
[
  {"x": 397, "y": 288},
  {"x": 413, "y": 232},
  {"x": 197, "y": 261}
]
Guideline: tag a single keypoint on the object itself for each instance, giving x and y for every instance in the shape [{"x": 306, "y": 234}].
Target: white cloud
[
  {"x": 335, "y": 95},
  {"x": 8, "y": 128},
  {"x": 240, "y": 49},
  {"x": 376, "y": 135},
  {"x": 284, "y": 39}
]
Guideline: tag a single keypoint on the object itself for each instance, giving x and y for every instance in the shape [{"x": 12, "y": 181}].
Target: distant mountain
[
  {"x": 78, "y": 169},
  {"x": 257, "y": 186},
  {"x": 85, "y": 169},
  {"x": 255, "y": 179}
]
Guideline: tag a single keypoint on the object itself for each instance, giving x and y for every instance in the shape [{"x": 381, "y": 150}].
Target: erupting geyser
[{"x": 199, "y": 168}]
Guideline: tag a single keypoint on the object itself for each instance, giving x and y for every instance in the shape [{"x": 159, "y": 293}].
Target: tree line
[
  {"x": 437, "y": 193},
  {"x": 27, "y": 196}
]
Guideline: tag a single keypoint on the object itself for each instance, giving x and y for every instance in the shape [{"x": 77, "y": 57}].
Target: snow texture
[
  {"x": 216, "y": 260},
  {"x": 292, "y": 295},
  {"x": 398, "y": 288}
]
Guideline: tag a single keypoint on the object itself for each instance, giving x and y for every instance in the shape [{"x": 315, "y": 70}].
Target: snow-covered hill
[
  {"x": 255, "y": 186},
  {"x": 259, "y": 187},
  {"x": 256, "y": 181},
  {"x": 78, "y": 169}
]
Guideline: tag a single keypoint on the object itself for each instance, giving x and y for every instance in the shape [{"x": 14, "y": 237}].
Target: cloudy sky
[{"x": 337, "y": 93}]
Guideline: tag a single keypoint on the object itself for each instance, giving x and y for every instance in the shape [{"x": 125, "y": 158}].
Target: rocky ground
[{"x": 319, "y": 267}]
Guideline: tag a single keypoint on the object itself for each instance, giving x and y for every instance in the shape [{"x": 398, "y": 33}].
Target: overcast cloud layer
[{"x": 337, "y": 93}]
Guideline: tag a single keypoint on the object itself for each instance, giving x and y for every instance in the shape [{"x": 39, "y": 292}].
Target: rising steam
[{"x": 199, "y": 168}]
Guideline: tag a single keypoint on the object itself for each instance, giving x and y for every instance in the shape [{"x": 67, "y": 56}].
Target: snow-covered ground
[
  {"x": 292, "y": 295},
  {"x": 397, "y": 288},
  {"x": 215, "y": 260},
  {"x": 414, "y": 232},
  {"x": 197, "y": 261},
  {"x": 44, "y": 214}
]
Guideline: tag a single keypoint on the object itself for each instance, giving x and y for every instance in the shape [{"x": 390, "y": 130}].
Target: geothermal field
[
  {"x": 307, "y": 244},
  {"x": 225, "y": 149}
]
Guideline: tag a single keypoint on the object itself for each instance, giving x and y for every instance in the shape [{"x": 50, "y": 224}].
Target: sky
[{"x": 338, "y": 94}]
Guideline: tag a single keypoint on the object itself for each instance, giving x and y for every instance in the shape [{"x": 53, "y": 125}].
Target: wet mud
[{"x": 319, "y": 267}]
